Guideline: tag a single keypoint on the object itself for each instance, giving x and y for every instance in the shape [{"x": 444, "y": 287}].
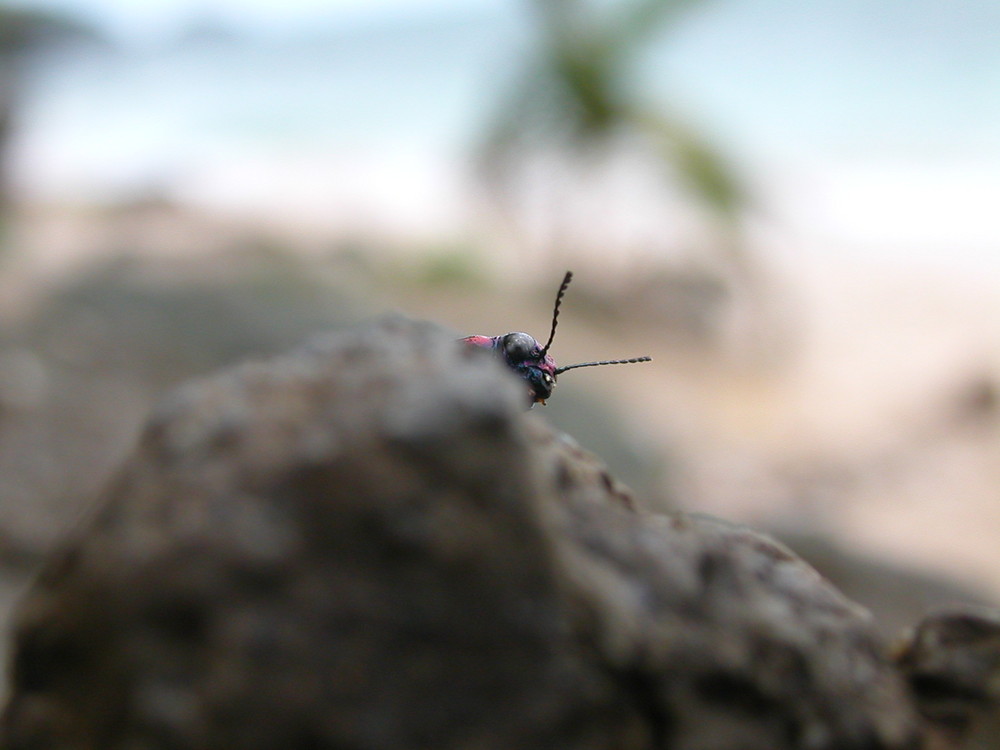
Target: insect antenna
[
  {"x": 555, "y": 311},
  {"x": 632, "y": 361}
]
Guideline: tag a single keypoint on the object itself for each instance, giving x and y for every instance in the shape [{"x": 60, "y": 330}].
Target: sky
[{"x": 145, "y": 18}]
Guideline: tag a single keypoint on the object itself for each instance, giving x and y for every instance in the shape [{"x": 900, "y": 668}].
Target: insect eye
[{"x": 518, "y": 347}]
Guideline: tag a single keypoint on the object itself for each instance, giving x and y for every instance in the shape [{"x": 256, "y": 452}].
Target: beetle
[{"x": 532, "y": 361}]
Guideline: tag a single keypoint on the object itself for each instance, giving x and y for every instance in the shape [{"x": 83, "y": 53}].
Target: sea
[{"x": 871, "y": 125}]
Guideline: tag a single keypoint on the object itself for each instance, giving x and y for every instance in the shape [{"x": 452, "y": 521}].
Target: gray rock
[
  {"x": 951, "y": 660},
  {"x": 369, "y": 544}
]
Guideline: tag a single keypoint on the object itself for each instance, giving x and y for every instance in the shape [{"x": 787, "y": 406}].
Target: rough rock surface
[
  {"x": 952, "y": 662},
  {"x": 369, "y": 544}
]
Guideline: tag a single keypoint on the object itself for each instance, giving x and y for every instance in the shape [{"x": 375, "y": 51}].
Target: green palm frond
[
  {"x": 577, "y": 92},
  {"x": 695, "y": 160}
]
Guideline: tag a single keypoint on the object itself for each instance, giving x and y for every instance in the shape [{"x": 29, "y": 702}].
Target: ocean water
[
  {"x": 323, "y": 119},
  {"x": 869, "y": 123}
]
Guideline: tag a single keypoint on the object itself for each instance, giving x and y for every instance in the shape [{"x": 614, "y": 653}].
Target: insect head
[{"x": 532, "y": 361}]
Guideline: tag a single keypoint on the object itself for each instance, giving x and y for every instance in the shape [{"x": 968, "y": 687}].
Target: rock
[
  {"x": 951, "y": 660},
  {"x": 369, "y": 544}
]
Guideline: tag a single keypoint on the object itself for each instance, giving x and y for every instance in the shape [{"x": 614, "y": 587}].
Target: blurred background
[{"x": 789, "y": 204}]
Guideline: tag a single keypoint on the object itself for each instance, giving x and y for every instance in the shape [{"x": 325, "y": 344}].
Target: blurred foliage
[
  {"x": 122, "y": 316},
  {"x": 25, "y": 31},
  {"x": 578, "y": 93},
  {"x": 458, "y": 265}
]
